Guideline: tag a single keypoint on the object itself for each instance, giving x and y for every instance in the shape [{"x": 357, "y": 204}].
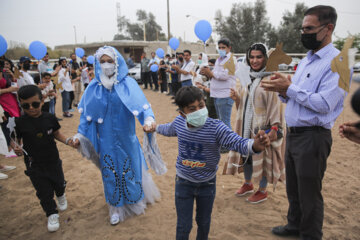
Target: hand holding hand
[
  {"x": 150, "y": 128},
  {"x": 18, "y": 151},
  {"x": 234, "y": 95},
  {"x": 278, "y": 83},
  {"x": 349, "y": 131},
  {"x": 261, "y": 141}
]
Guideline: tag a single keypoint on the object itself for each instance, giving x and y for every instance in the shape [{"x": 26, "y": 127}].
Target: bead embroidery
[{"x": 121, "y": 189}]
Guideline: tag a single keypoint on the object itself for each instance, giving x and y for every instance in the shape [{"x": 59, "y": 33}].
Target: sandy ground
[{"x": 21, "y": 216}]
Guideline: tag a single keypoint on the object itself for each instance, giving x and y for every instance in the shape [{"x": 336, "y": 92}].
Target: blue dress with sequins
[{"x": 107, "y": 120}]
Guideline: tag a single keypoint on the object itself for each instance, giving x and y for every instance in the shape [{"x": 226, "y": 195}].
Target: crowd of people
[{"x": 270, "y": 142}]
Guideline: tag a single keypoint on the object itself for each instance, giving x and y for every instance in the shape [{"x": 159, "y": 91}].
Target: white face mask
[{"x": 108, "y": 68}]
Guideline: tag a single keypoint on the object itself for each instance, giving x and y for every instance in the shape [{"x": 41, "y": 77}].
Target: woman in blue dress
[{"x": 106, "y": 135}]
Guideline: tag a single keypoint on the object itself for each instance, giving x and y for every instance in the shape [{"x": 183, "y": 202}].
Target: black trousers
[
  {"x": 146, "y": 79},
  {"x": 154, "y": 77},
  {"x": 163, "y": 85},
  {"x": 72, "y": 97},
  {"x": 176, "y": 86},
  {"x": 305, "y": 159},
  {"x": 47, "y": 180}
]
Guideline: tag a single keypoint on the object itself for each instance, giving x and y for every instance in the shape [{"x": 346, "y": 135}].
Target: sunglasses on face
[{"x": 26, "y": 106}]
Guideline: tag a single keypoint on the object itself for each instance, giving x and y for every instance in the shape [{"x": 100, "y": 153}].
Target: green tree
[
  {"x": 246, "y": 24},
  {"x": 135, "y": 31},
  {"x": 289, "y": 30},
  {"x": 339, "y": 42}
]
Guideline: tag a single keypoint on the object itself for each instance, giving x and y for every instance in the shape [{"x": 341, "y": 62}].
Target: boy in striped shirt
[{"x": 200, "y": 139}]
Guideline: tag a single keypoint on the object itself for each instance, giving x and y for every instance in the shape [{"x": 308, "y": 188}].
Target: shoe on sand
[
  {"x": 61, "y": 202},
  {"x": 7, "y": 168},
  {"x": 3, "y": 176},
  {"x": 115, "y": 219},
  {"x": 245, "y": 189},
  {"x": 53, "y": 222}
]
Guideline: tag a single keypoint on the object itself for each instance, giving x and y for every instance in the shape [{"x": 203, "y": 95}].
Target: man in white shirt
[
  {"x": 25, "y": 77},
  {"x": 186, "y": 69},
  {"x": 222, "y": 80},
  {"x": 154, "y": 75}
]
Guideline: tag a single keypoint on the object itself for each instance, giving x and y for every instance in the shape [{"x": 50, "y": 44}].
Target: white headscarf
[{"x": 105, "y": 80}]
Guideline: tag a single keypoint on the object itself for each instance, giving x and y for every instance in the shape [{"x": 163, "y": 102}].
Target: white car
[
  {"x": 356, "y": 67},
  {"x": 284, "y": 67},
  {"x": 135, "y": 73}
]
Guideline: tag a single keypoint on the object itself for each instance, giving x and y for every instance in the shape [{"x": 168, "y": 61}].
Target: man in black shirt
[
  {"x": 75, "y": 67},
  {"x": 38, "y": 131}
]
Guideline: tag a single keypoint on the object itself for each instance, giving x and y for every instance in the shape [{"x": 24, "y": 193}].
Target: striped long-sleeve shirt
[
  {"x": 314, "y": 98},
  {"x": 199, "y": 148}
]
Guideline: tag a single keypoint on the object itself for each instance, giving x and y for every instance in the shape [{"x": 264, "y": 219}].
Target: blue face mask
[
  {"x": 222, "y": 53},
  {"x": 199, "y": 61},
  {"x": 197, "y": 118}
]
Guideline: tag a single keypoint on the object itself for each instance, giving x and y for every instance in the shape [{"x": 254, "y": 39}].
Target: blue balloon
[
  {"x": 174, "y": 43},
  {"x": 90, "y": 59},
  {"x": 79, "y": 52},
  {"x": 203, "y": 30},
  {"x": 3, "y": 46},
  {"x": 160, "y": 52},
  {"x": 154, "y": 68},
  {"x": 37, "y": 49}
]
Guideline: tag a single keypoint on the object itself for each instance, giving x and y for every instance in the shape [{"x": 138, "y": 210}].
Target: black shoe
[
  {"x": 284, "y": 231},
  {"x": 67, "y": 115},
  {"x": 59, "y": 119},
  {"x": 173, "y": 97}
]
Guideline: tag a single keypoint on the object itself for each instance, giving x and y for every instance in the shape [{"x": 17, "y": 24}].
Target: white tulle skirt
[{"x": 151, "y": 194}]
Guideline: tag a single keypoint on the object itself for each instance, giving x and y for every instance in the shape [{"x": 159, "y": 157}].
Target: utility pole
[
  {"x": 75, "y": 35},
  {"x": 168, "y": 19},
  {"x": 144, "y": 31}
]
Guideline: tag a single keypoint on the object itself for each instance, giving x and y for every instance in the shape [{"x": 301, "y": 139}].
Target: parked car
[
  {"x": 292, "y": 66},
  {"x": 356, "y": 67},
  {"x": 241, "y": 59},
  {"x": 135, "y": 73}
]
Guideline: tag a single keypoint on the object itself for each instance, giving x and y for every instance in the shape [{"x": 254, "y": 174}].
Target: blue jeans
[
  {"x": 65, "y": 101},
  {"x": 185, "y": 193},
  {"x": 52, "y": 106},
  {"x": 248, "y": 171},
  {"x": 186, "y": 83},
  {"x": 223, "y": 108}
]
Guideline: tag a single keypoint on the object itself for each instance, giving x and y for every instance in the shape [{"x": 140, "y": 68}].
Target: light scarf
[
  {"x": 105, "y": 80},
  {"x": 249, "y": 109}
]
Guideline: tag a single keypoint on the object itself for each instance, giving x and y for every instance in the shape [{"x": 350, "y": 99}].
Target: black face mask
[
  {"x": 310, "y": 42},
  {"x": 26, "y": 66},
  {"x": 181, "y": 59}
]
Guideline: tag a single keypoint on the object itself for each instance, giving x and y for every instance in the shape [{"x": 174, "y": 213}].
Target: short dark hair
[
  {"x": 187, "y": 95},
  {"x": 258, "y": 47},
  {"x": 72, "y": 54},
  {"x": 188, "y": 51},
  {"x": 167, "y": 55},
  {"x": 325, "y": 14},
  {"x": 44, "y": 74},
  {"x": 213, "y": 60},
  {"x": 29, "y": 91},
  {"x": 224, "y": 41}
]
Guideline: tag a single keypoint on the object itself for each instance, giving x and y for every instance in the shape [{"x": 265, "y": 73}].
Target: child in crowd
[
  {"x": 200, "y": 139},
  {"x": 38, "y": 130},
  {"x": 48, "y": 92}
]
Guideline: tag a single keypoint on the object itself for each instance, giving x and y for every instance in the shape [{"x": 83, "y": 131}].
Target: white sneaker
[
  {"x": 61, "y": 202},
  {"x": 3, "y": 176},
  {"x": 115, "y": 219},
  {"x": 11, "y": 154},
  {"x": 7, "y": 168},
  {"x": 53, "y": 222}
]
